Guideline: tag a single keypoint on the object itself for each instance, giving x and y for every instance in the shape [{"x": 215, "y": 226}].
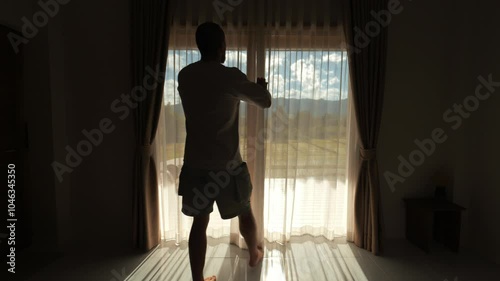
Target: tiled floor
[
  {"x": 103, "y": 265},
  {"x": 304, "y": 259},
  {"x": 313, "y": 259}
]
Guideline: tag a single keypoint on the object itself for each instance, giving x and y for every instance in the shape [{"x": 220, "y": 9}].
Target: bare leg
[
  {"x": 198, "y": 246},
  {"x": 248, "y": 229}
]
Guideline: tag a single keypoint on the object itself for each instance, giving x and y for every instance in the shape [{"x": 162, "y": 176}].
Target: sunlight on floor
[{"x": 305, "y": 258}]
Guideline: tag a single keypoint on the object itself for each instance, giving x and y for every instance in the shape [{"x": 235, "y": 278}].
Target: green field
[{"x": 310, "y": 158}]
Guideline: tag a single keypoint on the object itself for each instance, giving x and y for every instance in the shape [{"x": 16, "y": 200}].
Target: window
[
  {"x": 306, "y": 155},
  {"x": 305, "y": 133}
]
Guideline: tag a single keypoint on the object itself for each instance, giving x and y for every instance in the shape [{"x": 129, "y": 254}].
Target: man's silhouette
[{"x": 213, "y": 169}]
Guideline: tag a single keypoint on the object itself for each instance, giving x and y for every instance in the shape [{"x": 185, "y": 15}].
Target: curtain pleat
[
  {"x": 367, "y": 74},
  {"x": 150, "y": 33},
  {"x": 306, "y": 180}
]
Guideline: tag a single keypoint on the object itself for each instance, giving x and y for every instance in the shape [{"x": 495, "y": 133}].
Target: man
[{"x": 213, "y": 169}]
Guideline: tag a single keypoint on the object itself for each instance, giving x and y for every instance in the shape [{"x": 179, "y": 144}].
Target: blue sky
[{"x": 310, "y": 74}]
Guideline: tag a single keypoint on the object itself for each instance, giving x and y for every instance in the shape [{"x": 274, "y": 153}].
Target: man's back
[{"x": 211, "y": 94}]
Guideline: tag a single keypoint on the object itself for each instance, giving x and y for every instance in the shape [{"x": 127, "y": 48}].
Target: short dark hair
[{"x": 209, "y": 38}]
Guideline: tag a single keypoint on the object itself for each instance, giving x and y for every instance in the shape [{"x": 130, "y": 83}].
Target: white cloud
[
  {"x": 236, "y": 59},
  {"x": 170, "y": 92},
  {"x": 309, "y": 74},
  {"x": 335, "y": 57}
]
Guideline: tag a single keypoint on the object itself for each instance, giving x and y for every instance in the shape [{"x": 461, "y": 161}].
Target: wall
[
  {"x": 417, "y": 78},
  {"x": 436, "y": 53},
  {"x": 12, "y": 11},
  {"x": 40, "y": 184},
  {"x": 97, "y": 71},
  {"x": 477, "y": 181},
  {"x": 75, "y": 67}
]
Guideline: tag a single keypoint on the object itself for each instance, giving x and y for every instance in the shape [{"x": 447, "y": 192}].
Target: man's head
[{"x": 211, "y": 41}]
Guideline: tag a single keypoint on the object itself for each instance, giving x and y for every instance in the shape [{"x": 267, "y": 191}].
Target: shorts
[{"x": 200, "y": 188}]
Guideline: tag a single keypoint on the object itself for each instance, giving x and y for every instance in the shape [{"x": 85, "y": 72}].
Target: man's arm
[{"x": 251, "y": 92}]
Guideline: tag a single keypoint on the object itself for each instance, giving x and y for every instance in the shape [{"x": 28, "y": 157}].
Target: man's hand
[{"x": 262, "y": 82}]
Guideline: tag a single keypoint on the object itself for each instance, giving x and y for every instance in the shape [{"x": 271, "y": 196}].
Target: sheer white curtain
[
  {"x": 307, "y": 144},
  {"x": 169, "y": 145},
  {"x": 299, "y": 150}
]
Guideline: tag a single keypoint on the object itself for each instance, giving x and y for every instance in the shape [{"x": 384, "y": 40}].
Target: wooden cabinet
[{"x": 429, "y": 219}]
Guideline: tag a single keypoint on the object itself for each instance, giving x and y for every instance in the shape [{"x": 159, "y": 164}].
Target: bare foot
[
  {"x": 211, "y": 278},
  {"x": 256, "y": 257}
]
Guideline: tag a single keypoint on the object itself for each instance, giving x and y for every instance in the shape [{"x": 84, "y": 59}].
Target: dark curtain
[
  {"x": 367, "y": 58},
  {"x": 149, "y": 41}
]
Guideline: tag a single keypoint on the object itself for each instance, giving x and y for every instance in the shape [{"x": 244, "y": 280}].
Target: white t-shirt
[{"x": 211, "y": 93}]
